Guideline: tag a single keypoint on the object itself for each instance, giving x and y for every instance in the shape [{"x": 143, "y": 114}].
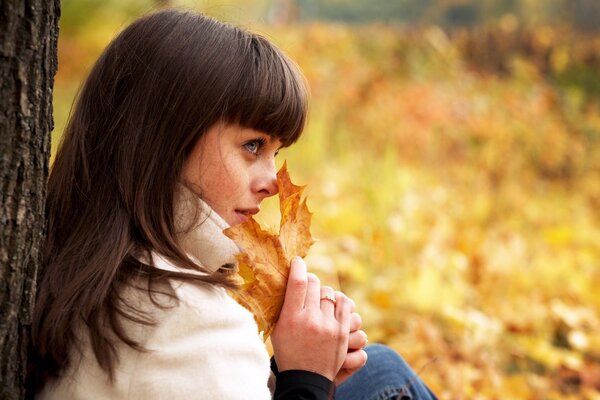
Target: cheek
[{"x": 223, "y": 179}]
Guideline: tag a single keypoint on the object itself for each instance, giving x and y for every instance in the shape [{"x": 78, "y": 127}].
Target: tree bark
[{"x": 28, "y": 62}]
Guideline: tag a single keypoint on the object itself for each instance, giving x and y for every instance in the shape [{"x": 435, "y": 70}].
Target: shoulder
[
  {"x": 197, "y": 298},
  {"x": 197, "y": 345},
  {"x": 198, "y": 340},
  {"x": 178, "y": 304}
]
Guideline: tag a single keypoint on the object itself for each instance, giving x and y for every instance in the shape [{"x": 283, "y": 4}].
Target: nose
[{"x": 266, "y": 184}]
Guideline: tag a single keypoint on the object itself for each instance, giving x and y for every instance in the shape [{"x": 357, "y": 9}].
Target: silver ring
[{"x": 330, "y": 297}]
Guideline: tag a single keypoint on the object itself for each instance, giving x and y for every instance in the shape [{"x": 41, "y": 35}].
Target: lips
[
  {"x": 248, "y": 211},
  {"x": 245, "y": 213}
]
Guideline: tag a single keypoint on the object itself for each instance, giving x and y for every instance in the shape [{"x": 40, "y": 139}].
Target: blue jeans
[{"x": 386, "y": 376}]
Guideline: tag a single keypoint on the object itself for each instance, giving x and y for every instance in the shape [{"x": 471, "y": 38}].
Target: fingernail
[
  {"x": 297, "y": 259},
  {"x": 299, "y": 263}
]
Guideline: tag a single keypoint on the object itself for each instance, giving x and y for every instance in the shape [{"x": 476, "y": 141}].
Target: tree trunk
[{"x": 28, "y": 38}]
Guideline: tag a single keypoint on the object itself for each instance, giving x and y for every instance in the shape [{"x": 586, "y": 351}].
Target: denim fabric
[{"x": 386, "y": 376}]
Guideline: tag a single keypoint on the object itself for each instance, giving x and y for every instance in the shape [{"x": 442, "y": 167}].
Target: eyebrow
[{"x": 271, "y": 139}]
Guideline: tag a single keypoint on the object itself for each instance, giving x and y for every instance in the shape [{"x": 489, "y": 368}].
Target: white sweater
[{"x": 205, "y": 346}]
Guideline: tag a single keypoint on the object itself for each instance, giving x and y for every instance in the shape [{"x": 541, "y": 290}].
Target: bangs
[{"x": 270, "y": 94}]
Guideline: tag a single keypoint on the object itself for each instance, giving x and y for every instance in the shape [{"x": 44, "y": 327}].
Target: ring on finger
[{"x": 330, "y": 297}]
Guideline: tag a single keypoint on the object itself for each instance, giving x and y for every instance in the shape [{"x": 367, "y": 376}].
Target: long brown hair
[{"x": 156, "y": 89}]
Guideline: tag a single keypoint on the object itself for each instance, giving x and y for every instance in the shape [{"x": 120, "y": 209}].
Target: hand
[
  {"x": 311, "y": 334},
  {"x": 356, "y": 358}
]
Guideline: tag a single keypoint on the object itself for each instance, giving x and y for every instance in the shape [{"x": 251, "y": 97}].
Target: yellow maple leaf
[{"x": 265, "y": 262}]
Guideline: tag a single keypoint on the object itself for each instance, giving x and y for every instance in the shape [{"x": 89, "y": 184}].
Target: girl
[{"x": 173, "y": 139}]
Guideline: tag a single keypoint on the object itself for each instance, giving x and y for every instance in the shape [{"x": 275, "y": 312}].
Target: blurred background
[{"x": 453, "y": 167}]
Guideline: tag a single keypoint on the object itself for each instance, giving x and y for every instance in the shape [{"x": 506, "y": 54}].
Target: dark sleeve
[{"x": 301, "y": 385}]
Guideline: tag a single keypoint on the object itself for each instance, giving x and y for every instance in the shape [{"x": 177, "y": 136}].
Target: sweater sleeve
[{"x": 301, "y": 385}]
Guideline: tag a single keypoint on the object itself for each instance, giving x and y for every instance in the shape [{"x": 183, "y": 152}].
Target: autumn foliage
[{"x": 455, "y": 185}]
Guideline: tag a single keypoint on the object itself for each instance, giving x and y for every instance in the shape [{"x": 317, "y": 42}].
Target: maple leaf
[{"x": 264, "y": 263}]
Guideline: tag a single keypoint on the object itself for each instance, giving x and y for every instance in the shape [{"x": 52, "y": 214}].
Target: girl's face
[{"x": 233, "y": 170}]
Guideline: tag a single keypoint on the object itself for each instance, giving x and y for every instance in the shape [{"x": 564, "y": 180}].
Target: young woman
[{"x": 172, "y": 139}]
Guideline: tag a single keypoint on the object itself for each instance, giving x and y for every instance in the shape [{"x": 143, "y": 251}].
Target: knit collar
[{"x": 199, "y": 231}]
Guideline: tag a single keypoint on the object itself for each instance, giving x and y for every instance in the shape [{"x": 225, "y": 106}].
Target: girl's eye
[{"x": 254, "y": 146}]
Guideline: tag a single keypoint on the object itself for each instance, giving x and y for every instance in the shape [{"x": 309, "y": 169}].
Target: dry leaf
[{"x": 264, "y": 265}]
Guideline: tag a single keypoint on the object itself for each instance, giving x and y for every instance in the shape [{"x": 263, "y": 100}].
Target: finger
[
  {"x": 313, "y": 292},
  {"x": 357, "y": 340},
  {"x": 338, "y": 294},
  {"x": 297, "y": 284},
  {"x": 355, "y": 360},
  {"x": 355, "y": 322},
  {"x": 342, "y": 313},
  {"x": 327, "y": 300}
]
